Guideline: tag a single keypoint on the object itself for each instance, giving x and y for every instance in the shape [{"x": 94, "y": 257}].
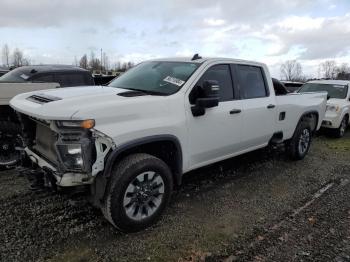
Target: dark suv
[
  {"x": 10, "y": 129},
  {"x": 65, "y": 75}
]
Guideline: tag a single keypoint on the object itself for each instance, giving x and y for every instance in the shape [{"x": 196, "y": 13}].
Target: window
[
  {"x": 43, "y": 78},
  {"x": 66, "y": 80},
  {"x": 157, "y": 77},
  {"x": 252, "y": 83},
  {"x": 222, "y": 74}
]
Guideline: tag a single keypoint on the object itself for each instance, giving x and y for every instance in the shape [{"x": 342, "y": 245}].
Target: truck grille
[{"x": 45, "y": 140}]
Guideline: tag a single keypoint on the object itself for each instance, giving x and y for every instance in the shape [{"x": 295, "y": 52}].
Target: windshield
[
  {"x": 334, "y": 91},
  {"x": 16, "y": 75},
  {"x": 163, "y": 78}
]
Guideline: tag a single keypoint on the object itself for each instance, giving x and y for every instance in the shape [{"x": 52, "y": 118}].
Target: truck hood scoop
[{"x": 43, "y": 98}]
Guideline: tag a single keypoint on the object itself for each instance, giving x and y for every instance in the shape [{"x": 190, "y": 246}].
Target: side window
[
  {"x": 222, "y": 74},
  {"x": 251, "y": 80},
  {"x": 43, "y": 78},
  {"x": 66, "y": 80}
]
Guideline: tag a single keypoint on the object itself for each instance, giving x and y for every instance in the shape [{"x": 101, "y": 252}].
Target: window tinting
[
  {"x": 252, "y": 84},
  {"x": 220, "y": 73},
  {"x": 66, "y": 80}
]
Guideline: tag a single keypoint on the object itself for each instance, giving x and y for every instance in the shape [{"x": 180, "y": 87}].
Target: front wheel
[
  {"x": 299, "y": 145},
  {"x": 340, "y": 131},
  {"x": 138, "y": 192}
]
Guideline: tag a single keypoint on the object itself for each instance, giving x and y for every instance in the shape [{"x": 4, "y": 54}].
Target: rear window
[
  {"x": 252, "y": 83},
  {"x": 334, "y": 91}
]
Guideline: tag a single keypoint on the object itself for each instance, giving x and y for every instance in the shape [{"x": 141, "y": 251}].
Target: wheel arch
[
  {"x": 312, "y": 117},
  {"x": 150, "y": 145}
]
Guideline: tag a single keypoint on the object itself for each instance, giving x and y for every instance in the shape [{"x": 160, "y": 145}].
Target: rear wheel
[
  {"x": 139, "y": 191},
  {"x": 340, "y": 132},
  {"x": 9, "y": 139},
  {"x": 299, "y": 145}
]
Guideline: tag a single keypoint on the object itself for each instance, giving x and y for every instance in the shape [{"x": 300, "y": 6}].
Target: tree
[
  {"x": 94, "y": 63},
  {"x": 83, "y": 63},
  {"x": 19, "y": 59},
  {"x": 6, "y": 55},
  {"x": 291, "y": 70},
  {"x": 328, "y": 69},
  {"x": 343, "y": 72}
]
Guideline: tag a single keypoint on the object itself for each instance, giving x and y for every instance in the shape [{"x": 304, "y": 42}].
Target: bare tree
[
  {"x": 6, "y": 55},
  {"x": 291, "y": 70},
  {"x": 94, "y": 63},
  {"x": 19, "y": 59},
  {"x": 328, "y": 69},
  {"x": 343, "y": 72},
  {"x": 83, "y": 63}
]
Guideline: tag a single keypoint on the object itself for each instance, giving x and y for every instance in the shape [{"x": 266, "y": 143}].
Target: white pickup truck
[
  {"x": 131, "y": 141},
  {"x": 338, "y": 105}
]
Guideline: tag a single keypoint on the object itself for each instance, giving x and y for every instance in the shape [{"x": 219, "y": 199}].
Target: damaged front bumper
[{"x": 70, "y": 157}]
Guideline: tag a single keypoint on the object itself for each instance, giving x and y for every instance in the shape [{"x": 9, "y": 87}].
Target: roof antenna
[{"x": 196, "y": 57}]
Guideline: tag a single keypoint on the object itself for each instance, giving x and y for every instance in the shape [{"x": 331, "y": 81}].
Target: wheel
[
  {"x": 340, "y": 131},
  {"x": 138, "y": 192},
  {"x": 299, "y": 145},
  {"x": 9, "y": 139}
]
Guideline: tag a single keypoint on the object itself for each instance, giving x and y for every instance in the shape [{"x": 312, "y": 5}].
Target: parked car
[
  {"x": 3, "y": 71},
  {"x": 338, "y": 105},
  {"x": 131, "y": 141},
  {"x": 292, "y": 86},
  {"x": 26, "y": 79}
]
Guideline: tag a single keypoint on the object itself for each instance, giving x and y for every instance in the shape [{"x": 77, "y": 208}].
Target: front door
[{"x": 217, "y": 133}]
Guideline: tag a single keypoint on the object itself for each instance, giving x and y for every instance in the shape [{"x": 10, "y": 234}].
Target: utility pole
[{"x": 101, "y": 61}]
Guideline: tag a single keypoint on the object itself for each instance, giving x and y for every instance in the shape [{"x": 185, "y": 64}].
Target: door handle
[
  {"x": 271, "y": 106},
  {"x": 235, "y": 111}
]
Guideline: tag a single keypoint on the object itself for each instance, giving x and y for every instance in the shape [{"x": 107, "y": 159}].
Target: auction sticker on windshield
[{"x": 174, "y": 81}]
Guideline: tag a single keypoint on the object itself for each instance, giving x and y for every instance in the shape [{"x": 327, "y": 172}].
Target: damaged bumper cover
[{"x": 72, "y": 157}]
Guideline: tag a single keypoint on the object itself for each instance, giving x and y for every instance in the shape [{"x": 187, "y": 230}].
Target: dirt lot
[{"x": 258, "y": 207}]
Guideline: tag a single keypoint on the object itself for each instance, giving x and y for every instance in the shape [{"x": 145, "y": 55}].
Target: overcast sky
[{"x": 270, "y": 31}]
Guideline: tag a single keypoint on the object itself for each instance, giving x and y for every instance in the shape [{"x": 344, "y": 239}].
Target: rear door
[{"x": 259, "y": 108}]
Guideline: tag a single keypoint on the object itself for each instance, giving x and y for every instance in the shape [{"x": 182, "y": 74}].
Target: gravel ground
[{"x": 257, "y": 207}]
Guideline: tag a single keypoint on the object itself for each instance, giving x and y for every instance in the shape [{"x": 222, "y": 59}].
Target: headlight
[
  {"x": 333, "y": 108},
  {"x": 87, "y": 124},
  {"x": 71, "y": 156}
]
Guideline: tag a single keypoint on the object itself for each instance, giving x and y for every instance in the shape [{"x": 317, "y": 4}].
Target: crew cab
[
  {"x": 25, "y": 79},
  {"x": 130, "y": 142},
  {"x": 338, "y": 105}
]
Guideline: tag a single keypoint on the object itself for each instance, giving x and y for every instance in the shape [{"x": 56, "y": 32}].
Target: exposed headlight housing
[
  {"x": 333, "y": 108},
  {"x": 86, "y": 124},
  {"x": 71, "y": 155}
]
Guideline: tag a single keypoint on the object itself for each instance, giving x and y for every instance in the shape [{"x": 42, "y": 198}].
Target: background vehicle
[
  {"x": 338, "y": 105},
  {"x": 3, "y": 71},
  {"x": 26, "y": 79},
  {"x": 292, "y": 86},
  {"x": 131, "y": 141}
]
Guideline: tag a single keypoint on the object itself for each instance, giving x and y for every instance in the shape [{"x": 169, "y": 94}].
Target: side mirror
[{"x": 208, "y": 97}]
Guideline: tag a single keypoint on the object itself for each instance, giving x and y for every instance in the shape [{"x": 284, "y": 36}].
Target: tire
[
  {"x": 299, "y": 145},
  {"x": 138, "y": 192},
  {"x": 340, "y": 131},
  {"x": 10, "y": 138}
]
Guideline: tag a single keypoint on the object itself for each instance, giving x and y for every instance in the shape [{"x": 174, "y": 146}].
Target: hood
[{"x": 74, "y": 102}]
